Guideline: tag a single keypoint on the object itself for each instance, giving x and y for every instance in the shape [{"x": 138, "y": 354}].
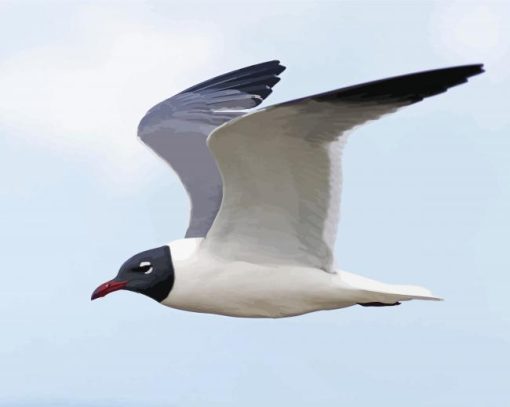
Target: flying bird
[{"x": 265, "y": 191}]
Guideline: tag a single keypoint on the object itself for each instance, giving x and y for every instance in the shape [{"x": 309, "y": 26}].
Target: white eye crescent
[{"x": 146, "y": 264}]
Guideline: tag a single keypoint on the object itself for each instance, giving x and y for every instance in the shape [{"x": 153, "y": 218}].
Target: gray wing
[
  {"x": 177, "y": 128},
  {"x": 281, "y": 168}
]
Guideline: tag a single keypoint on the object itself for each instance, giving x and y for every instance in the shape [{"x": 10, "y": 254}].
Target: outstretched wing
[
  {"x": 177, "y": 128},
  {"x": 281, "y": 168}
]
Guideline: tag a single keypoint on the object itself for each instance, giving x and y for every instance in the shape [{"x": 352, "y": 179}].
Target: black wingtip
[
  {"x": 404, "y": 89},
  {"x": 477, "y": 68},
  {"x": 464, "y": 70},
  {"x": 279, "y": 68},
  {"x": 261, "y": 73}
]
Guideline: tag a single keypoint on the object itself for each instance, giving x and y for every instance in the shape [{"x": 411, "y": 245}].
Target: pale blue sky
[{"x": 426, "y": 201}]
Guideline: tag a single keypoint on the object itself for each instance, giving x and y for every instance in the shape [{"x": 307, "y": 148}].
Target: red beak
[{"x": 107, "y": 288}]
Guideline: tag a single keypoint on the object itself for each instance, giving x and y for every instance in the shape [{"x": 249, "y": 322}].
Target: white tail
[{"x": 375, "y": 291}]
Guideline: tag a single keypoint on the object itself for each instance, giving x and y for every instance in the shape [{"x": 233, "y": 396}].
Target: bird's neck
[{"x": 184, "y": 249}]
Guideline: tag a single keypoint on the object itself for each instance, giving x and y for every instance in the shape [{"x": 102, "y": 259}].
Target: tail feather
[{"x": 375, "y": 293}]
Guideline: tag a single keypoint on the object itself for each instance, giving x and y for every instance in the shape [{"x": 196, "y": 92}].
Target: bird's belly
[{"x": 246, "y": 290}]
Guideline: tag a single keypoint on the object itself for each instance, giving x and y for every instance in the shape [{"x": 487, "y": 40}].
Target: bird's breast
[{"x": 247, "y": 290}]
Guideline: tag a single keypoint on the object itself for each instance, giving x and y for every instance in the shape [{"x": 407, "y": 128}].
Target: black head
[{"x": 150, "y": 273}]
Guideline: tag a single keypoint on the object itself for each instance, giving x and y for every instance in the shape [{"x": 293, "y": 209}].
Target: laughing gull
[{"x": 265, "y": 195}]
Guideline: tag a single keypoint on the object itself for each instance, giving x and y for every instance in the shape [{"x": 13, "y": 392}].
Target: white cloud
[{"x": 86, "y": 95}]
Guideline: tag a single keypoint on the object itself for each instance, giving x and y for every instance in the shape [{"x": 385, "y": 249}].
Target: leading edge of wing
[{"x": 402, "y": 89}]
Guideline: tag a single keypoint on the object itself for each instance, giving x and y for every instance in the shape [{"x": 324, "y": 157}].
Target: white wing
[
  {"x": 177, "y": 128},
  {"x": 281, "y": 168}
]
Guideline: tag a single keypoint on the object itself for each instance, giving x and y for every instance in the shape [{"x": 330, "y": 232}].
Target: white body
[{"x": 205, "y": 283}]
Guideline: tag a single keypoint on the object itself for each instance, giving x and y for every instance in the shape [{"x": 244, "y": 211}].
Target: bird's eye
[{"x": 144, "y": 267}]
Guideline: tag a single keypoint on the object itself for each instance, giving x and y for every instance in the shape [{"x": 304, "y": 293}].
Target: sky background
[{"x": 426, "y": 201}]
